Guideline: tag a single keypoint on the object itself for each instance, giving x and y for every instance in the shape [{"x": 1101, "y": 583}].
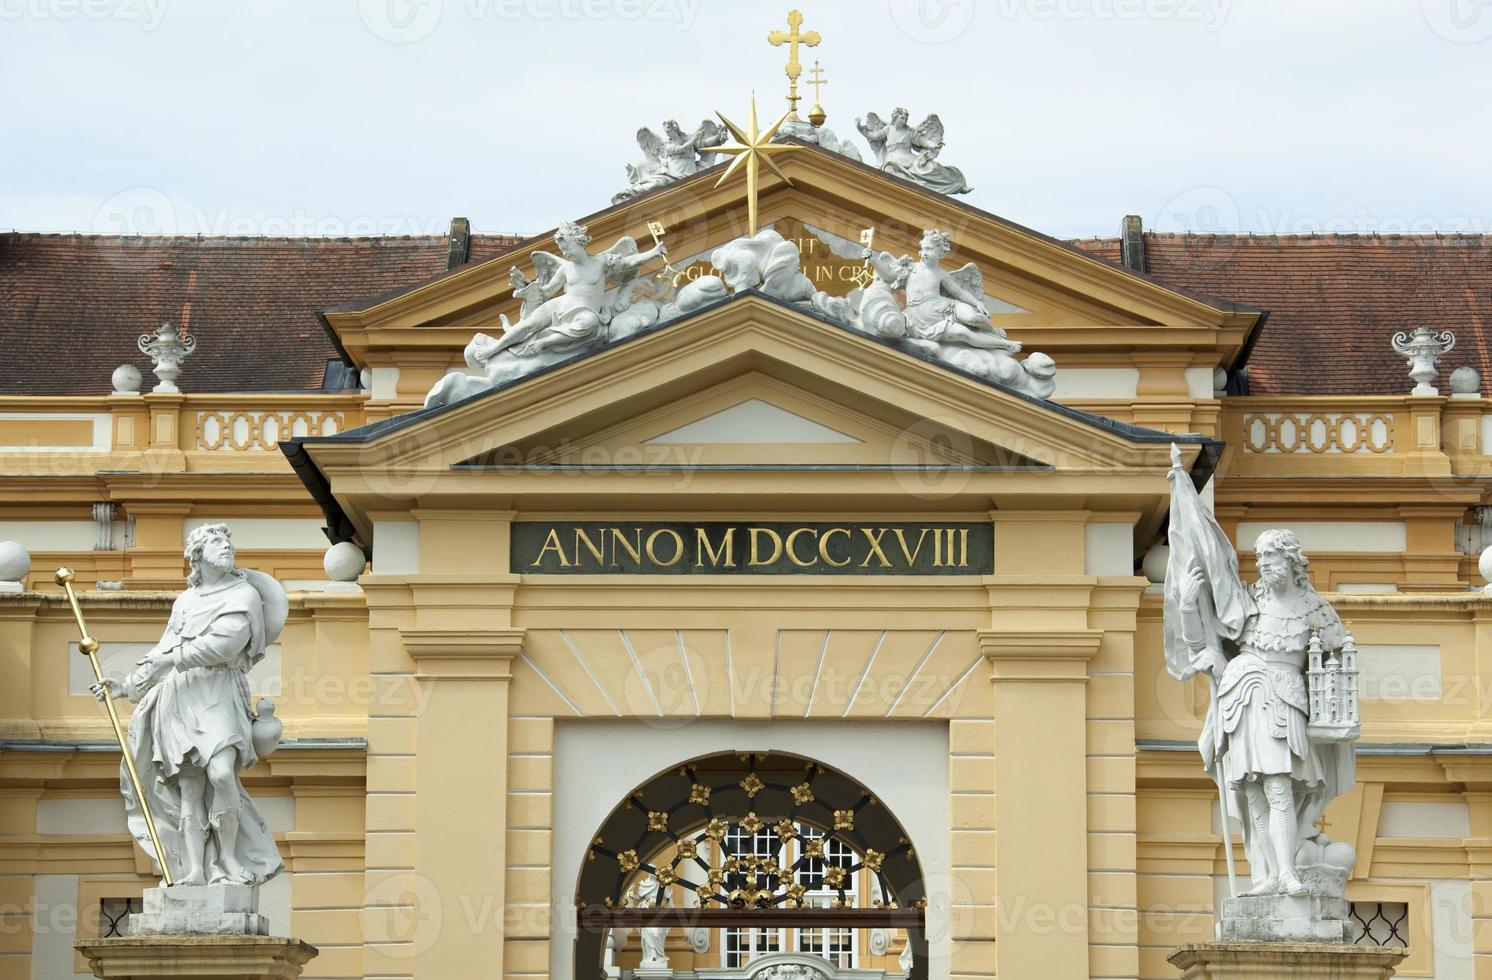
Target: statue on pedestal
[
  {"x": 912, "y": 153},
  {"x": 649, "y": 895},
  {"x": 576, "y": 302},
  {"x": 672, "y": 156},
  {"x": 1279, "y": 749},
  {"x": 194, "y": 730}
]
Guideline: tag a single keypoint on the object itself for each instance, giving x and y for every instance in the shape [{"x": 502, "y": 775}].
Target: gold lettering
[
  {"x": 678, "y": 547},
  {"x": 822, "y": 272},
  {"x": 552, "y": 541},
  {"x": 755, "y": 551},
  {"x": 938, "y": 548},
  {"x": 581, "y": 538},
  {"x": 792, "y": 556},
  {"x": 824, "y": 546},
  {"x": 633, "y": 548},
  {"x": 911, "y": 556},
  {"x": 702, "y": 545},
  {"x": 963, "y": 551},
  {"x": 874, "y": 540}
]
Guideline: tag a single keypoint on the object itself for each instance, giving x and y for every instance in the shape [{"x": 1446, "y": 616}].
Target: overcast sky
[{"x": 390, "y": 116}]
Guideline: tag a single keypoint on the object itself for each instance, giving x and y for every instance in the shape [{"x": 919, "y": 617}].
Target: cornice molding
[{"x": 462, "y": 654}]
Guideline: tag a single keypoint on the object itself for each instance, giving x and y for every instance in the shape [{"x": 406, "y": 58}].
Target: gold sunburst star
[{"x": 753, "y": 147}]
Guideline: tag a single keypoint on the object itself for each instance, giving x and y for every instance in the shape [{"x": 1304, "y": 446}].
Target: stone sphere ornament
[
  {"x": 1339, "y": 854},
  {"x": 126, "y": 380},
  {"x": 344, "y": 562},
  {"x": 15, "y": 563},
  {"x": 1154, "y": 563},
  {"x": 1485, "y": 566},
  {"x": 1466, "y": 381}
]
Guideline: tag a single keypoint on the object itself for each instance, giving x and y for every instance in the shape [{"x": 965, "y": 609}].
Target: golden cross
[
  {"x": 1322, "y": 824},
  {"x": 816, "y": 79},
  {"x": 792, "y": 38},
  {"x": 752, "y": 148}
]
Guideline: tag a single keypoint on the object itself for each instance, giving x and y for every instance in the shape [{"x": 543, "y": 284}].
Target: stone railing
[
  {"x": 250, "y": 430},
  {"x": 1362, "y": 436}
]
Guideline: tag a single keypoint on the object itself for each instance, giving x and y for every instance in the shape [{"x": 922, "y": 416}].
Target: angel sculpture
[
  {"x": 671, "y": 156},
  {"x": 912, "y": 153},
  {"x": 949, "y": 306},
  {"x": 566, "y": 309}
]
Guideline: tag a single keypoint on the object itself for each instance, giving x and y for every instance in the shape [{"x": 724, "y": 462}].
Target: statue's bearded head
[
  {"x": 208, "y": 546},
  {"x": 1281, "y": 562}
]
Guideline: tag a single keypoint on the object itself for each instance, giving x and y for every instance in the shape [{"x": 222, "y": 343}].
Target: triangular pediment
[
  {"x": 602, "y": 430},
  {"x": 1047, "y": 294}
]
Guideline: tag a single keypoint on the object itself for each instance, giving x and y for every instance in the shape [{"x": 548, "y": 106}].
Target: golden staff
[{"x": 88, "y": 647}]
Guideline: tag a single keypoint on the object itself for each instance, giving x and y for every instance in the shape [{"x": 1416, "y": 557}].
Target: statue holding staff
[{"x": 194, "y": 730}]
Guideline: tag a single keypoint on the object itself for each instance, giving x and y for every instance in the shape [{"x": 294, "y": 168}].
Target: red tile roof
[
  {"x": 72, "y": 306},
  {"x": 1335, "y": 301}
]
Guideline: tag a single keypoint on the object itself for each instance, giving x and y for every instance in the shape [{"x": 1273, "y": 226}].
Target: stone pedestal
[
  {"x": 1285, "y": 918},
  {"x": 197, "y": 957},
  {"x": 1285, "y": 961},
  {"x": 199, "y": 910}
]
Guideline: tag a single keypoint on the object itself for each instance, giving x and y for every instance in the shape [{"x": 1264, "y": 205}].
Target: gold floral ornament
[
  {"x": 814, "y": 848},
  {"x": 688, "y": 849},
  {"x": 751, "y": 786},
  {"x": 715, "y": 829},
  {"x": 795, "y": 893},
  {"x": 874, "y": 859},
  {"x": 751, "y": 823},
  {"x": 844, "y": 819},
  {"x": 715, "y": 876},
  {"x": 657, "y": 820},
  {"x": 627, "y": 860},
  {"x": 699, "y": 793},
  {"x": 802, "y": 793},
  {"x": 786, "y": 829},
  {"x": 665, "y": 876},
  {"x": 834, "y": 876},
  {"x": 707, "y": 891}
]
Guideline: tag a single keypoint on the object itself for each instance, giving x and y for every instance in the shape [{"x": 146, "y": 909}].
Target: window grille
[
  {"x": 1380, "y": 924},
  {"x": 111, "y": 915}
]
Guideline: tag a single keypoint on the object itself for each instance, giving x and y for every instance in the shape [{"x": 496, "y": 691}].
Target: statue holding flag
[{"x": 1277, "y": 765}]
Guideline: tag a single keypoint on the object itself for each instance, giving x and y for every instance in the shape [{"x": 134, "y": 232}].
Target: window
[
  {"x": 1380, "y": 923},
  {"x": 111, "y": 915}
]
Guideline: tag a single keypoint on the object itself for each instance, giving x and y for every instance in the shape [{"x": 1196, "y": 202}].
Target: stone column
[
  {"x": 461, "y": 773},
  {"x": 1041, "y": 801}
]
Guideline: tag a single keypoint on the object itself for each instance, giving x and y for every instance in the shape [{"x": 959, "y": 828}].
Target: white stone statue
[
  {"x": 911, "y": 153},
  {"x": 1276, "y": 763},
  {"x": 194, "y": 730},
  {"x": 668, "y": 158},
  {"x": 818, "y": 135},
  {"x": 945, "y": 316},
  {"x": 578, "y": 301},
  {"x": 648, "y": 894}
]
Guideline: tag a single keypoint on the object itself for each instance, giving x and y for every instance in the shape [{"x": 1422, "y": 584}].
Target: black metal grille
[
  {"x": 1380, "y": 923},
  {"x": 111, "y": 915}
]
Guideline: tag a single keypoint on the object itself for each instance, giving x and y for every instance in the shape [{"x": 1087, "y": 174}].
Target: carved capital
[
  {"x": 1039, "y": 655},
  {"x": 462, "y": 654}
]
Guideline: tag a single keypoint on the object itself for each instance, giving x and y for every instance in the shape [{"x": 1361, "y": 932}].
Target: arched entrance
[{"x": 774, "y": 854}]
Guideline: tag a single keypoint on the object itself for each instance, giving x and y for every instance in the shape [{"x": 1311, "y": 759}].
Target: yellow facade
[{"x": 437, "y": 718}]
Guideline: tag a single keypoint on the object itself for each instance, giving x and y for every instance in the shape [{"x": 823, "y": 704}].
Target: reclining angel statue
[
  {"x": 945, "y": 316},
  {"x": 577, "y": 301},
  {"x": 911, "y": 153},
  {"x": 1276, "y": 770},
  {"x": 669, "y": 157},
  {"x": 193, "y": 730}
]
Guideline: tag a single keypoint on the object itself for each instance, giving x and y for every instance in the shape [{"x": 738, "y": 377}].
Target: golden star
[{"x": 752, "y": 148}]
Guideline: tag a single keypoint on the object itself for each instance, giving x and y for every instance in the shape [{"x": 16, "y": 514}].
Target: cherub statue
[
  {"x": 912, "y": 153},
  {"x": 948, "y": 307},
  {"x": 670, "y": 157},
  {"x": 564, "y": 310},
  {"x": 193, "y": 730}
]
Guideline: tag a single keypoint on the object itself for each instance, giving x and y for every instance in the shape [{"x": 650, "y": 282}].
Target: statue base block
[
  {"x": 1286, "y": 919},
  {"x": 1269, "y": 961},
  {"x": 199, "y": 910},
  {"x": 197, "y": 957}
]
